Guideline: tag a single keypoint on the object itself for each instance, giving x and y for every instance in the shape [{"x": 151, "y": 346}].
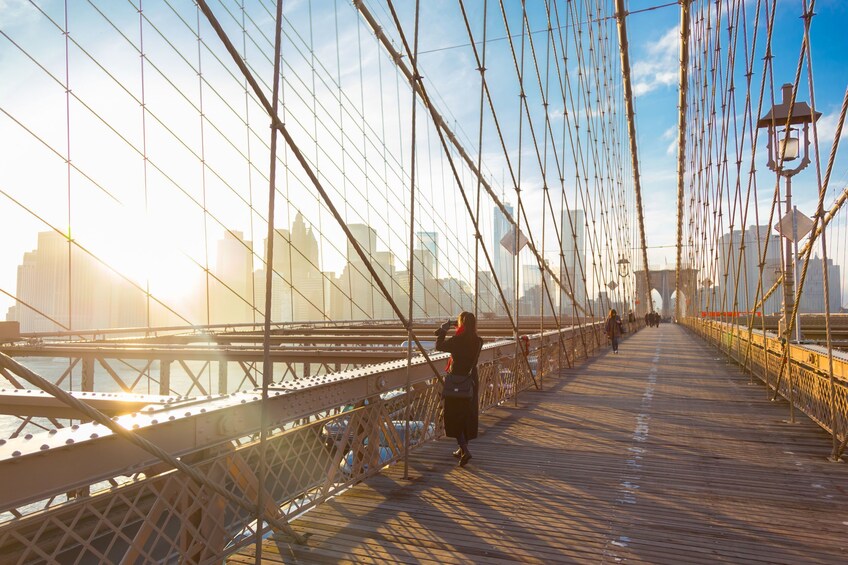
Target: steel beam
[
  {"x": 28, "y": 402},
  {"x": 66, "y": 459}
]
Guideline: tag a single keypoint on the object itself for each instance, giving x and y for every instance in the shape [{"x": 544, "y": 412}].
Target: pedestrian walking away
[{"x": 461, "y": 391}]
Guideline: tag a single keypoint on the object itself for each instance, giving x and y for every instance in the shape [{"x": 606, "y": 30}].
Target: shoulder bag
[{"x": 458, "y": 385}]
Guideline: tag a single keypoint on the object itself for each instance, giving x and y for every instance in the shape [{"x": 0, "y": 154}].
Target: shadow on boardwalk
[{"x": 664, "y": 453}]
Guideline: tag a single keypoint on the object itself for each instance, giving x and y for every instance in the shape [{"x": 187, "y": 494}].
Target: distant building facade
[
  {"x": 574, "y": 261},
  {"x": 503, "y": 260},
  {"x": 60, "y": 285},
  {"x": 726, "y": 295},
  {"x": 231, "y": 292}
]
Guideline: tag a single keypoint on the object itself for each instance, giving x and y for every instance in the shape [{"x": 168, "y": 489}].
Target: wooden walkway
[{"x": 663, "y": 453}]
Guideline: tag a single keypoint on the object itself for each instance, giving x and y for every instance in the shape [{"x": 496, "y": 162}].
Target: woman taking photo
[{"x": 461, "y": 409}]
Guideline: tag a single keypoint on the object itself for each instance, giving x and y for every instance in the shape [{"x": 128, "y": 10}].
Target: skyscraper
[
  {"x": 429, "y": 240},
  {"x": 231, "y": 288},
  {"x": 812, "y": 299},
  {"x": 574, "y": 255},
  {"x": 307, "y": 281},
  {"x": 503, "y": 259},
  {"x": 741, "y": 297},
  {"x": 281, "y": 279},
  {"x": 356, "y": 293},
  {"x": 61, "y": 285}
]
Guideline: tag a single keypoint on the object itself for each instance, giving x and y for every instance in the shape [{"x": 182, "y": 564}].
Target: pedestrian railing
[
  {"x": 83, "y": 494},
  {"x": 800, "y": 373}
]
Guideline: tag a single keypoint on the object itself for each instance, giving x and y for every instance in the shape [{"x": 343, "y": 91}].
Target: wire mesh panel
[
  {"x": 804, "y": 382},
  {"x": 151, "y": 513}
]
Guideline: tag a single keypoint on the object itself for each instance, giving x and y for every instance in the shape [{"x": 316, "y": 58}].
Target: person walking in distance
[
  {"x": 612, "y": 327},
  {"x": 461, "y": 397}
]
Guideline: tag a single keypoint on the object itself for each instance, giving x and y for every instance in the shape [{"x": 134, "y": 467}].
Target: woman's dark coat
[
  {"x": 461, "y": 414},
  {"x": 612, "y": 326}
]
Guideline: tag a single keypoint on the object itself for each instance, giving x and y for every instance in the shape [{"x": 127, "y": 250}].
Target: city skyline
[
  {"x": 146, "y": 169},
  {"x": 233, "y": 289}
]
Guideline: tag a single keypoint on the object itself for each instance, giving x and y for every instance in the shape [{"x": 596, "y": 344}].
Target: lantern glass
[{"x": 791, "y": 143}]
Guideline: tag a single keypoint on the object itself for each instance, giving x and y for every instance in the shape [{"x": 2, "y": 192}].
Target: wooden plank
[{"x": 663, "y": 453}]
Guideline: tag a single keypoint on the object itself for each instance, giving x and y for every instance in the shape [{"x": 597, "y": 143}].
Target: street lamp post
[
  {"x": 623, "y": 271},
  {"x": 623, "y": 267},
  {"x": 783, "y": 146}
]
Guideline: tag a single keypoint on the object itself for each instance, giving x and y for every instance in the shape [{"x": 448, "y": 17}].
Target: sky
[{"x": 146, "y": 181}]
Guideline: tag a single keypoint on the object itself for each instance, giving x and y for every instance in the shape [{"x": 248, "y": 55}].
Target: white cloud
[
  {"x": 672, "y": 148},
  {"x": 826, "y": 128},
  {"x": 661, "y": 66},
  {"x": 670, "y": 135},
  {"x": 15, "y": 12}
]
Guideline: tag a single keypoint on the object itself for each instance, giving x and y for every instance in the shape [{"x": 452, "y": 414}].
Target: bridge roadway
[{"x": 661, "y": 454}]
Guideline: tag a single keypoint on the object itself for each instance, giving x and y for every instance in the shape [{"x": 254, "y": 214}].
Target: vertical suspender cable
[
  {"x": 267, "y": 364},
  {"x": 411, "y": 269},
  {"x": 834, "y": 426},
  {"x": 519, "y": 349},
  {"x": 316, "y": 183},
  {"x": 836, "y": 453},
  {"x": 68, "y": 233},
  {"x": 477, "y": 242},
  {"x": 144, "y": 150},
  {"x": 681, "y": 142},
  {"x": 620, "y": 15}
]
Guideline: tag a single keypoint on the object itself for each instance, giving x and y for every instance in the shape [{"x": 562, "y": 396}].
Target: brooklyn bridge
[{"x": 232, "y": 230}]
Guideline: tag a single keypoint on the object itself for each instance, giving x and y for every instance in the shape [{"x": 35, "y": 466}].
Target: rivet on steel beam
[
  {"x": 2, "y": 442},
  {"x": 69, "y": 441},
  {"x": 28, "y": 436},
  {"x": 171, "y": 418},
  {"x": 44, "y": 447},
  {"x": 16, "y": 454},
  {"x": 203, "y": 410},
  {"x": 93, "y": 436},
  {"x": 75, "y": 427},
  {"x": 187, "y": 414}
]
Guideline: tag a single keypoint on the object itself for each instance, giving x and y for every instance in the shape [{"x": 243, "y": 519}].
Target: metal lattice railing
[
  {"x": 806, "y": 382},
  {"x": 99, "y": 499}
]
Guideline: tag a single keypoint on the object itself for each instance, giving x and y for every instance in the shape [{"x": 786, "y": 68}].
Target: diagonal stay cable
[
  {"x": 425, "y": 99},
  {"x": 278, "y": 125},
  {"x": 442, "y": 126},
  {"x": 95, "y": 415}
]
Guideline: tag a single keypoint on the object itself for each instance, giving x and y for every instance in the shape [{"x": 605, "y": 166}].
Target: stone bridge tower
[{"x": 663, "y": 282}]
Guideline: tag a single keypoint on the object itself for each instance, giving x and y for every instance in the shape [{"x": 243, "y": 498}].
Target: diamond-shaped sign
[
  {"x": 612, "y": 285},
  {"x": 508, "y": 241},
  {"x": 803, "y": 225}
]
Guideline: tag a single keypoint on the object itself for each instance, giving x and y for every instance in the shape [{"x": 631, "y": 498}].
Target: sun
[{"x": 144, "y": 252}]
